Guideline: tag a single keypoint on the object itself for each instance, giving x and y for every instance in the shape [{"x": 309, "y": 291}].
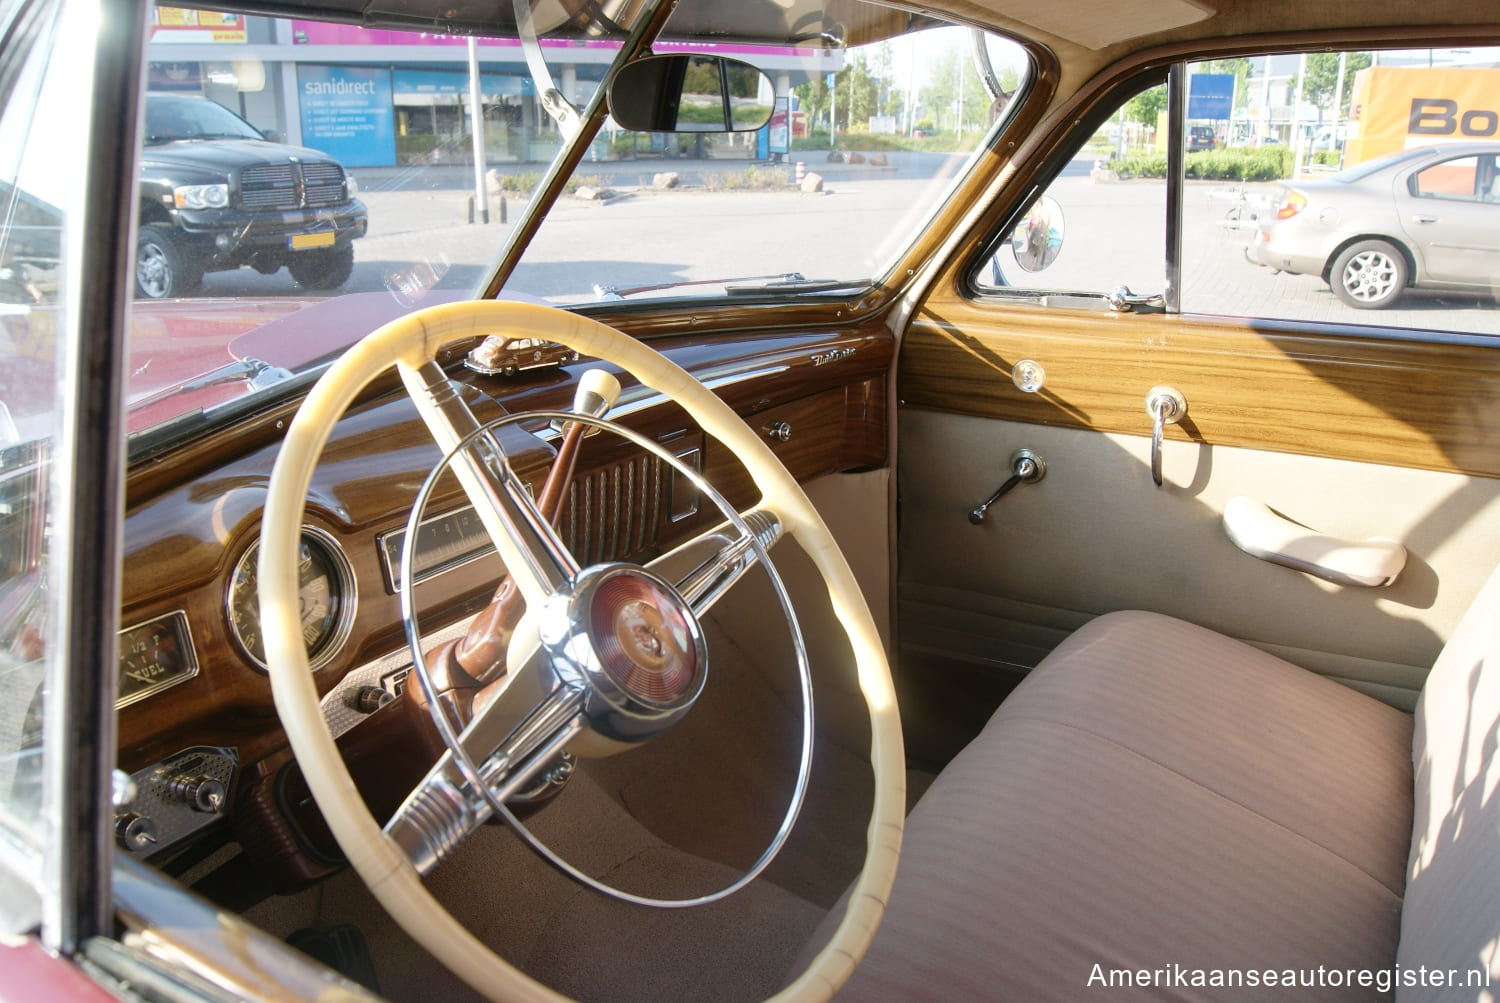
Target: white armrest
[{"x": 1262, "y": 533}]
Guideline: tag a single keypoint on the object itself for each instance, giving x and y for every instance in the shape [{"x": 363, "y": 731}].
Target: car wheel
[
  {"x": 1369, "y": 275},
  {"x": 163, "y": 268},
  {"x": 322, "y": 269}
]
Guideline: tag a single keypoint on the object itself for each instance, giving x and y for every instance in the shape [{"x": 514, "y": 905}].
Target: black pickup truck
[{"x": 216, "y": 194}]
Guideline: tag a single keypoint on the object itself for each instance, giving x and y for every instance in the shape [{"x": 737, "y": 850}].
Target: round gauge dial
[{"x": 325, "y": 594}]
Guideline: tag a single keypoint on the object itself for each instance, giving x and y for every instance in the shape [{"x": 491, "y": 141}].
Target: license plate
[{"x": 299, "y": 241}]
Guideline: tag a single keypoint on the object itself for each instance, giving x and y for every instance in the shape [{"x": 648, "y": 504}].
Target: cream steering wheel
[{"x": 412, "y": 343}]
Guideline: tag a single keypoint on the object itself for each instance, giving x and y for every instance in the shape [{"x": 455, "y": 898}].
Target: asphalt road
[{"x": 420, "y": 234}]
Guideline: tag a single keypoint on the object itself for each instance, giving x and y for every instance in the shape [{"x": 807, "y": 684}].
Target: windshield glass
[
  {"x": 37, "y": 198},
  {"x": 390, "y": 168},
  {"x": 797, "y": 204},
  {"x": 173, "y": 117}
]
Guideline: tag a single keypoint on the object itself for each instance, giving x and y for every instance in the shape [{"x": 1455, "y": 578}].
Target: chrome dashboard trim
[{"x": 640, "y": 398}]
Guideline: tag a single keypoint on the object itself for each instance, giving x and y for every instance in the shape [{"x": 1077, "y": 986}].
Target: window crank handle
[{"x": 1026, "y": 467}]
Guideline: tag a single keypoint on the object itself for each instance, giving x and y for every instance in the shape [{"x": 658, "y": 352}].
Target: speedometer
[{"x": 325, "y": 594}]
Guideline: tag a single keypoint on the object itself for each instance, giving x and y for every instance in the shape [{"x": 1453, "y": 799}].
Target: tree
[
  {"x": 1322, "y": 77},
  {"x": 858, "y": 93},
  {"x": 954, "y": 96},
  {"x": 812, "y": 97},
  {"x": 1147, "y": 105}
]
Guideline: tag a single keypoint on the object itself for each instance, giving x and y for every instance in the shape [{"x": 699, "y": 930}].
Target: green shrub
[
  {"x": 1266, "y": 163},
  {"x": 578, "y": 181},
  {"x": 750, "y": 179},
  {"x": 1144, "y": 165},
  {"x": 525, "y": 182}
]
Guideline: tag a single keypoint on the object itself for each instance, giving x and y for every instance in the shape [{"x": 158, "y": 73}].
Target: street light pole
[
  {"x": 833, "y": 107},
  {"x": 476, "y": 128}
]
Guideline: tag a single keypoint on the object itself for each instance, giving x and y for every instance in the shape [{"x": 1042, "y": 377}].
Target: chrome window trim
[{"x": 88, "y": 480}]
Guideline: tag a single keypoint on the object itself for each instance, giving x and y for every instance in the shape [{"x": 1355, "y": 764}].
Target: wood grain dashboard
[{"x": 191, "y": 516}]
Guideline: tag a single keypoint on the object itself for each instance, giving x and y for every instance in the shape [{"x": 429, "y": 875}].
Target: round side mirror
[
  {"x": 1037, "y": 240},
  {"x": 691, "y": 93}
]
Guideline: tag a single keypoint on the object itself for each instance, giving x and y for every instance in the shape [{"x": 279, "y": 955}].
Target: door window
[
  {"x": 1103, "y": 217},
  {"x": 1311, "y": 193},
  {"x": 1459, "y": 178}
]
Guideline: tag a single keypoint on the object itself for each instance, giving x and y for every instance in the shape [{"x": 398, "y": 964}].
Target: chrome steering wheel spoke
[
  {"x": 534, "y": 555},
  {"x": 707, "y": 566},
  {"x": 472, "y": 781}
]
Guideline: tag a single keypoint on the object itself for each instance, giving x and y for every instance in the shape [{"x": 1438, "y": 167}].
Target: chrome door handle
[
  {"x": 1419, "y": 218},
  {"x": 1166, "y": 405}
]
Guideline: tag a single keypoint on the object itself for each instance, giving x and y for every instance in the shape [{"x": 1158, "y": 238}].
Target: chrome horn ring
[{"x": 626, "y": 659}]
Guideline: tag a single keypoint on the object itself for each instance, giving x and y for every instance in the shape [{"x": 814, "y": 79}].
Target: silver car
[{"x": 1424, "y": 218}]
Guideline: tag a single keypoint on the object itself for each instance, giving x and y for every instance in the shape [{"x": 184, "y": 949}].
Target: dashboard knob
[
  {"x": 202, "y": 793},
  {"x": 135, "y": 832},
  {"x": 781, "y": 431}
]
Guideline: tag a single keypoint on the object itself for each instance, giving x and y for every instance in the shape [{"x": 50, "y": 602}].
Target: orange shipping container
[{"x": 1397, "y": 108}]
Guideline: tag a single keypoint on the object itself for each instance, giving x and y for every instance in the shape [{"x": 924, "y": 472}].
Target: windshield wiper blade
[
  {"x": 253, "y": 371},
  {"x": 257, "y": 374},
  {"x": 740, "y": 285}
]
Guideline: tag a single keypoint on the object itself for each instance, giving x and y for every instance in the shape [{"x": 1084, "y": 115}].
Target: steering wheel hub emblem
[
  {"x": 642, "y": 638},
  {"x": 632, "y": 643}
]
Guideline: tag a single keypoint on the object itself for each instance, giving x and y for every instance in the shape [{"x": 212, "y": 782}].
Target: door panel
[{"x": 1352, "y": 437}]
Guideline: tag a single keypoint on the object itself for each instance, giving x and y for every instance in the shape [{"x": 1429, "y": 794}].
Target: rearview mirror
[{"x": 691, "y": 93}]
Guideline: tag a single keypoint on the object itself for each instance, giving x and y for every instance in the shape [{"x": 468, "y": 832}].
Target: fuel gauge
[{"x": 154, "y": 655}]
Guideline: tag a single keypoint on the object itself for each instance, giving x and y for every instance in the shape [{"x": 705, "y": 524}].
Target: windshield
[
  {"x": 171, "y": 118},
  {"x": 389, "y": 177}
]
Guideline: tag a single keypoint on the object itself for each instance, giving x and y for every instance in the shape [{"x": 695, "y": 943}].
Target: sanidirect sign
[{"x": 346, "y": 113}]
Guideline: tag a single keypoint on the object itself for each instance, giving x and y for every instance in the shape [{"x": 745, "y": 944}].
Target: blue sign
[
  {"x": 1210, "y": 95},
  {"x": 347, "y": 113}
]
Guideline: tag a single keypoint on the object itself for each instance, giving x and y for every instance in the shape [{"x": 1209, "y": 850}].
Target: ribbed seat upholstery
[{"x": 1162, "y": 801}]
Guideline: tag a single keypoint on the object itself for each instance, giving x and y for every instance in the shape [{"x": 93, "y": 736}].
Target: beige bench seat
[{"x": 1161, "y": 800}]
